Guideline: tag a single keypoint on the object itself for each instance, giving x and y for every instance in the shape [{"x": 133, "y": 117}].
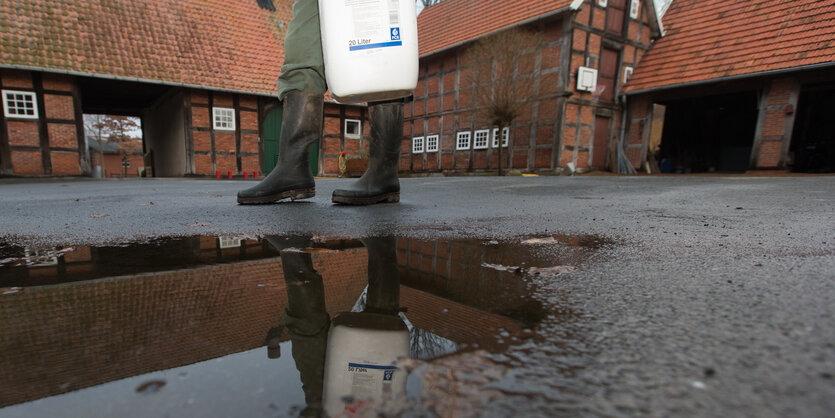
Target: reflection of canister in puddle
[{"x": 360, "y": 361}]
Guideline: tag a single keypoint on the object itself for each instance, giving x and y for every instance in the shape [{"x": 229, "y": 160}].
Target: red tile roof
[
  {"x": 221, "y": 44},
  {"x": 712, "y": 39},
  {"x": 453, "y": 22}
]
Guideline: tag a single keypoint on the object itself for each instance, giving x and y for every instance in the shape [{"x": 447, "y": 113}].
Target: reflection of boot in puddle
[
  {"x": 305, "y": 318},
  {"x": 363, "y": 347},
  {"x": 383, "y": 276}
]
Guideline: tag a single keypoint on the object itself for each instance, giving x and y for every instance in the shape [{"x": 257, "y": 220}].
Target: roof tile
[
  {"x": 710, "y": 39},
  {"x": 453, "y": 22},
  {"x": 223, "y": 44}
]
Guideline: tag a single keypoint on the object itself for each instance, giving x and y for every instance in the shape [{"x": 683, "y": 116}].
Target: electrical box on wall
[{"x": 586, "y": 79}]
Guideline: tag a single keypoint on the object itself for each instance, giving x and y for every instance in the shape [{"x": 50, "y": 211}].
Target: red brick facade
[
  {"x": 227, "y": 151},
  {"x": 558, "y": 125},
  {"x": 335, "y": 140},
  {"x": 776, "y": 120},
  {"x": 51, "y": 143}
]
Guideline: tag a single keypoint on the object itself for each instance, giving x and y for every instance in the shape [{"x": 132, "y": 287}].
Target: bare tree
[
  {"x": 505, "y": 72},
  {"x": 427, "y": 3}
]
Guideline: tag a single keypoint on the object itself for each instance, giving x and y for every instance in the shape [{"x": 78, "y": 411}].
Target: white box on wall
[{"x": 586, "y": 79}]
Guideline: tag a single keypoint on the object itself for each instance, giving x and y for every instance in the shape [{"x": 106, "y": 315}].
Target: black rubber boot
[
  {"x": 291, "y": 177},
  {"x": 383, "y": 295},
  {"x": 379, "y": 183}
]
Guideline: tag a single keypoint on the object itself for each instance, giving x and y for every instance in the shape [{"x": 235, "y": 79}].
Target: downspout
[{"x": 624, "y": 166}]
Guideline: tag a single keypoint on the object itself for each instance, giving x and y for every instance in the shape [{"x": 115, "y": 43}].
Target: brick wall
[
  {"x": 453, "y": 270},
  {"x": 335, "y": 140},
  {"x": 637, "y": 129},
  {"x": 590, "y": 38},
  {"x": 113, "y": 164},
  {"x": 47, "y": 145},
  {"x": 553, "y": 130},
  {"x": 236, "y": 151},
  {"x": 775, "y": 122}
]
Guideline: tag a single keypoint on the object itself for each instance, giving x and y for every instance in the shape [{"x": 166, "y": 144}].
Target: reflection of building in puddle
[
  {"x": 63, "y": 337},
  {"x": 66, "y": 337}
]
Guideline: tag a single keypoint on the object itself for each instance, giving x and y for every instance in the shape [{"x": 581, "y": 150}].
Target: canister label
[
  {"x": 376, "y": 24},
  {"x": 369, "y": 380}
]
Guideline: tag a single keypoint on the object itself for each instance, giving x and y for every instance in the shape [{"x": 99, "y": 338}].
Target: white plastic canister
[
  {"x": 370, "y": 48},
  {"x": 360, "y": 361}
]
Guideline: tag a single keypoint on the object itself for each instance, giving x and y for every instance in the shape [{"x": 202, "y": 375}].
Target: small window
[
  {"x": 627, "y": 72},
  {"x": 505, "y": 137},
  {"x": 417, "y": 145},
  {"x": 432, "y": 143},
  {"x": 462, "y": 141},
  {"x": 20, "y": 104},
  {"x": 353, "y": 128},
  {"x": 633, "y": 8},
  {"x": 229, "y": 242},
  {"x": 481, "y": 140},
  {"x": 602, "y": 3},
  {"x": 224, "y": 118},
  {"x": 40, "y": 258}
]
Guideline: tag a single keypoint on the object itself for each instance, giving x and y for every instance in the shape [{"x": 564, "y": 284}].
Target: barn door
[
  {"x": 272, "y": 138},
  {"x": 616, "y": 16},
  {"x": 608, "y": 74},
  {"x": 601, "y": 141}
]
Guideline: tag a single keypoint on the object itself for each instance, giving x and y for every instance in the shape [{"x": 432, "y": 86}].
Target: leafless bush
[{"x": 505, "y": 74}]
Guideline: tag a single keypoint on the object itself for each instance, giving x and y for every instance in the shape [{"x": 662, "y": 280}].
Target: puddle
[{"x": 240, "y": 325}]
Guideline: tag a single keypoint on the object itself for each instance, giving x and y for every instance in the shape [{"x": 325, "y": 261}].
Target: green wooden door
[{"x": 272, "y": 137}]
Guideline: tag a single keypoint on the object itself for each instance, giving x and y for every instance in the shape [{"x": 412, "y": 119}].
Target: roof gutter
[
  {"x": 733, "y": 78},
  {"x": 574, "y": 6},
  {"x": 134, "y": 79}
]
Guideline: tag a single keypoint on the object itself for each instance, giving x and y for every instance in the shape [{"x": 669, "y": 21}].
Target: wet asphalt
[{"x": 714, "y": 298}]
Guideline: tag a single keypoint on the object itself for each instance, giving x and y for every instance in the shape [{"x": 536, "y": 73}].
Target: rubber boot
[
  {"x": 383, "y": 276},
  {"x": 305, "y": 317},
  {"x": 379, "y": 183},
  {"x": 291, "y": 177}
]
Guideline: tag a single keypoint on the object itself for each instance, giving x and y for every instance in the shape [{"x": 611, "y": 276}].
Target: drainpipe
[{"x": 624, "y": 167}]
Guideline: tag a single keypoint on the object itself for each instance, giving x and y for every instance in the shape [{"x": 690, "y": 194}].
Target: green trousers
[{"x": 304, "y": 67}]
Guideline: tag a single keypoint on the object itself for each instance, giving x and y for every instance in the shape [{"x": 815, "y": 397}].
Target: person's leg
[
  {"x": 305, "y": 317},
  {"x": 379, "y": 183},
  {"x": 301, "y": 87},
  {"x": 383, "y": 295},
  {"x": 304, "y": 67}
]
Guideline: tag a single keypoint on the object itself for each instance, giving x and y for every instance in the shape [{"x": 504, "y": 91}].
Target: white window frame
[
  {"x": 432, "y": 143},
  {"x": 217, "y": 111},
  {"x": 28, "y": 96},
  {"x": 462, "y": 140},
  {"x": 417, "y": 145},
  {"x": 505, "y": 137},
  {"x": 359, "y": 129},
  {"x": 634, "y": 8},
  {"x": 627, "y": 72},
  {"x": 40, "y": 258},
  {"x": 229, "y": 242},
  {"x": 602, "y": 3},
  {"x": 482, "y": 134}
]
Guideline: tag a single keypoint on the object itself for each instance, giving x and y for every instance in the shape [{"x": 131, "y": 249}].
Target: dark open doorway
[
  {"x": 160, "y": 113},
  {"x": 813, "y": 139},
  {"x": 708, "y": 134}
]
